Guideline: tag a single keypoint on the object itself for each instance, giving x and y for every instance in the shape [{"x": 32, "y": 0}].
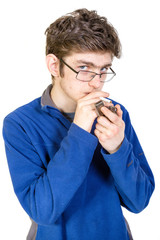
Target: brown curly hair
[{"x": 81, "y": 31}]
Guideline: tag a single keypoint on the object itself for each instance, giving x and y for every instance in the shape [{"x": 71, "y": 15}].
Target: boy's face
[{"x": 72, "y": 89}]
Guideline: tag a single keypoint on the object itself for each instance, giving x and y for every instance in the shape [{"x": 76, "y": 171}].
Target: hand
[
  {"x": 110, "y": 129},
  {"x": 85, "y": 112}
]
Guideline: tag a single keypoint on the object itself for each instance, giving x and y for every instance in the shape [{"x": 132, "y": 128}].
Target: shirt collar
[
  {"x": 46, "y": 98},
  {"x": 47, "y": 101}
]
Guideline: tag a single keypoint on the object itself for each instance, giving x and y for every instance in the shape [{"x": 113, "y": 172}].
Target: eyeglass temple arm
[
  {"x": 112, "y": 70},
  {"x": 68, "y": 65}
]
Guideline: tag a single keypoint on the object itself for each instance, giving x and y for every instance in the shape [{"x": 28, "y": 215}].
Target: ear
[{"x": 52, "y": 64}]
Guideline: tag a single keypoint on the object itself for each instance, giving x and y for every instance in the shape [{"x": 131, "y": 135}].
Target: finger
[
  {"x": 114, "y": 118},
  {"x": 107, "y": 104},
  {"x": 119, "y": 110},
  {"x": 99, "y": 135},
  {"x": 97, "y": 94},
  {"x": 85, "y": 102},
  {"x": 89, "y": 101},
  {"x": 104, "y": 129}
]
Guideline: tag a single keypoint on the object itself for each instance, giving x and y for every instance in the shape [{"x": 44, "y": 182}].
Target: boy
[{"x": 72, "y": 169}]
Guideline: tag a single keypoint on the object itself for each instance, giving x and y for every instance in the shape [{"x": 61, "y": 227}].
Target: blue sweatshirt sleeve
[
  {"x": 132, "y": 175},
  {"x": 45, "y": 192}
]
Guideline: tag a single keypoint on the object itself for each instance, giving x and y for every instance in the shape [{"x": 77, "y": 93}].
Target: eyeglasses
[{"x": 87, "y": 76}]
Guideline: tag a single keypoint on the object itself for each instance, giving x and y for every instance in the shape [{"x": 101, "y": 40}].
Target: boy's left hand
[{"x": 110, "y": 129}]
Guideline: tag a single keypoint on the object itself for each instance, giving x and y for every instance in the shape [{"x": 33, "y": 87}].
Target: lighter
[{"x": 100, "y": 104}]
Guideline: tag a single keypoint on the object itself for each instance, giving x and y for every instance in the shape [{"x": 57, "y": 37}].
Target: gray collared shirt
[{"x": 46, "y": 100}]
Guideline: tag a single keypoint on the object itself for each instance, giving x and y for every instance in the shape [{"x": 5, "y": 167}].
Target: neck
[{"x": 63, "y": 103}]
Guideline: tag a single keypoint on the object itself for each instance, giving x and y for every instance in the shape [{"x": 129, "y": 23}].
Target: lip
[
  {"x": 86, "y": 93},
  {"x": 89, "y": 92}
]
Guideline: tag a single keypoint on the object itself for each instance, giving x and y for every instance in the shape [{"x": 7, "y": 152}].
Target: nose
[{"x": 95, "y": 82}]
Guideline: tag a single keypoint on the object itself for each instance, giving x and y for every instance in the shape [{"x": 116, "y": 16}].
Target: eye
[
  {"x": 83, "y": 68},
  {"x": 104, "y": 69}
]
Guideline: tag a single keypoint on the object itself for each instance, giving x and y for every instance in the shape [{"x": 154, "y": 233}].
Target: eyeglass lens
[{"x": 88, "y": 76}]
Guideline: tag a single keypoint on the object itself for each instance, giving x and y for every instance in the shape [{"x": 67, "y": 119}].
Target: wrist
[
  {"x": 83, "y": 126},
  {"x": 115, "y": 150}
]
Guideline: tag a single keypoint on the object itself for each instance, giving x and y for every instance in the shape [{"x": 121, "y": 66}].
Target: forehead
[{"x": 93, "y": 58}]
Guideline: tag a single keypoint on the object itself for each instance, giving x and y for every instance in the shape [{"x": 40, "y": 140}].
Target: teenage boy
[{"x": 72, "y": 170}]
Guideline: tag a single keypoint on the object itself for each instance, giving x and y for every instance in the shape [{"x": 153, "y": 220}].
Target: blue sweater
[{"x": 66, "y": 182}]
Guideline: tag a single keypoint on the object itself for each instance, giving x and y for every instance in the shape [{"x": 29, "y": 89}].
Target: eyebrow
[{"x": 92, "y": 64}]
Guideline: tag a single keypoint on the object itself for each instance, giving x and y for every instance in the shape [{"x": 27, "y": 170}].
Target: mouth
[{"x": 89, "y": 92}]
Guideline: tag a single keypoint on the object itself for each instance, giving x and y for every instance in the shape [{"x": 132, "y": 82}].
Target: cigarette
[{"x": 105, "y": 100}]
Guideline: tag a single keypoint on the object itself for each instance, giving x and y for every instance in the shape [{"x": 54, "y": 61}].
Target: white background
[{"x": 24, "y": 76}]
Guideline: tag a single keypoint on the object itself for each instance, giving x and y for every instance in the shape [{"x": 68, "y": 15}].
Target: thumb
[{"x": 119, "y": 110}]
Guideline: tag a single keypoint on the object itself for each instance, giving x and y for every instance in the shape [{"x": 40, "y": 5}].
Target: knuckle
[
  {"x": 109, "y": 134},
  {"x": 115, "y": 118},
  {"x": 115, "y": 130},
  {"x": 102, "y": 137},
  {"x": 100, "y": 119}
]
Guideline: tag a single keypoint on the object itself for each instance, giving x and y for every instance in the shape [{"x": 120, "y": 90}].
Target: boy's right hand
[{"x": 85, "y": 111}]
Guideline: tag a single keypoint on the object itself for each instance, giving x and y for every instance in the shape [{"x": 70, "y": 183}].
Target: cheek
[
  {"x": 76, "y": 91},
  {"x": 69, "y": 88}
]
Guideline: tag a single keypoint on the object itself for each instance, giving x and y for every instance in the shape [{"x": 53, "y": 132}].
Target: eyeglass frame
[{"x": 95, "y": 74}]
